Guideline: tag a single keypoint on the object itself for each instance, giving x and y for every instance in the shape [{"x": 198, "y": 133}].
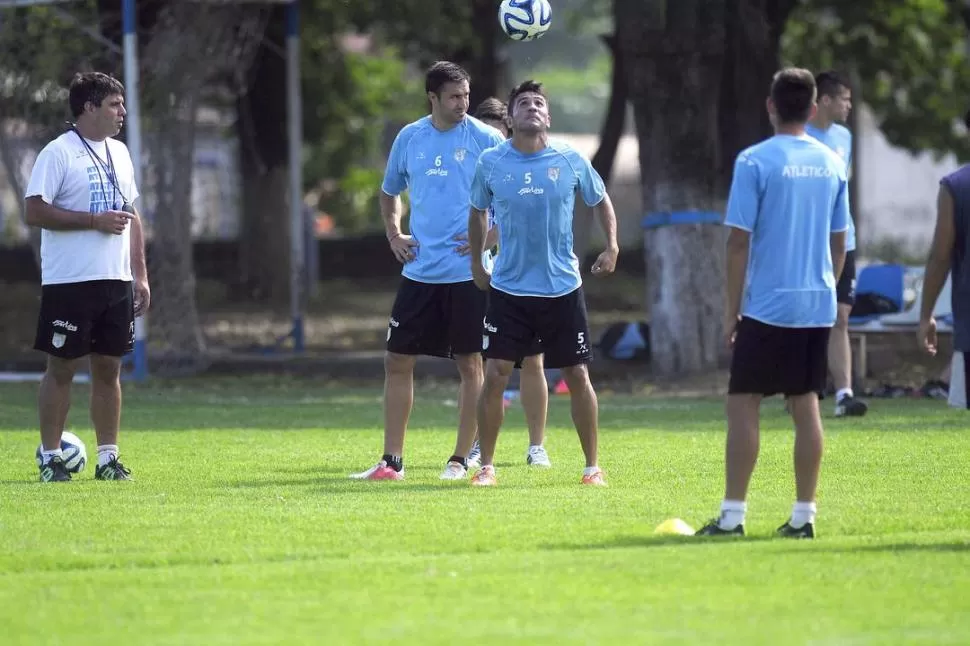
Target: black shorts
[
  {"x": 514, "y": 324},
  {"x": 436, "y": 319},
  {"x": 845, "y": 287},
  {"x": 769, "y": 359},
  {"x": 77, "y": 319}
]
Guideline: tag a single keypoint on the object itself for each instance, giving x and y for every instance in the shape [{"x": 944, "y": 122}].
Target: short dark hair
[
  {"x": 92, "y": 87},
  {"x": 530, "y": 87},
  {"x": 492, "y": 109},
  {"x": 441, "y": 73},
  {"x": 830, "y": 83},
  {"x": 793, "y": 93}
]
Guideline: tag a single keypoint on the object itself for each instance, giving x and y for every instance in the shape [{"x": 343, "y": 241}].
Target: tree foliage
[{"x": 910, "y": 59}]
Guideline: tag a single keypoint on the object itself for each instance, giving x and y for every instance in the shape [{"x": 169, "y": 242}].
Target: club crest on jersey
[
  {"x": 460, "y": 154},
  {"x": 554, "y": 173}
]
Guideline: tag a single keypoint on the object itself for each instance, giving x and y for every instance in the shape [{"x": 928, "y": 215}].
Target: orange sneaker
[
  {"x": 597, "y": 478},
  {"x": 485, "y": 477}
]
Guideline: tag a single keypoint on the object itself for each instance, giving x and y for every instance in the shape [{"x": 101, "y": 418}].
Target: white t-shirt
[{"x": 71, "y": 177}]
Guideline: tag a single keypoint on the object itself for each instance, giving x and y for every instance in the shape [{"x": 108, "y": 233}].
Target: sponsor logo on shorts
[{"x": 67, "y": 325}]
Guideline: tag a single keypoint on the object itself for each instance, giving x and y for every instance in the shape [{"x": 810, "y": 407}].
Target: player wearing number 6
[
  {"x": 437, "y": 311},
  {"x": 535, "y": 288}
]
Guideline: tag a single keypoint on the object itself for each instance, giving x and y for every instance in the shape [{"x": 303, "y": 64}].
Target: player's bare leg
[
  {"x": 106, "y": 398},
  {"x": 491, "y": 413},
  {"x": 742, "y": 444},
  {"x": 808, "y": 445},
  {"x": 584, "y": 407},
  {"x": 840, "y": 365},
  {"x": 740, "y": 456},
  {"x": 535, "y": 403},
  {"x": 398, "y": 399},
  {"x": 106, "y": 416},
  {"x": 471, "y": 370},
  {"x": 54, "y": 400}
]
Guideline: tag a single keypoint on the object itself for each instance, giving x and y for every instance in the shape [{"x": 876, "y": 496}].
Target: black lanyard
[{"x": 109, "y": 170}]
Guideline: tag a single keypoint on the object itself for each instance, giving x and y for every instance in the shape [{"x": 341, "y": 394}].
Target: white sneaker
[
  {"x": 475, "y": 457},
  {"x": 537, "y": 457},
  {"x": 454, "y": 471}
]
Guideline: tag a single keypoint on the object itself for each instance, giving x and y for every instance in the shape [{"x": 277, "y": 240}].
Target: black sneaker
[
  {"x": 54, "y": 471},
  {"x": 805, "y": 531},
  {"x": 849, "y": 406},
  {"x": 713, "y": 529},
  {"x": 114, "y": 470}
]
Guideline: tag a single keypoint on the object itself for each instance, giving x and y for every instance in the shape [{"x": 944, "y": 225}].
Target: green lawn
[{"x": 242, "y": 528}]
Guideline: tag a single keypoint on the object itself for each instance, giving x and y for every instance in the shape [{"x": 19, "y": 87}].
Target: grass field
[{"x": 242, "y": 528}]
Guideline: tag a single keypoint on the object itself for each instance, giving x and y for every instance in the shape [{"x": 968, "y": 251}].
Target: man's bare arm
[
  {"x": 391, "y": 212},
  {"x": 47, "y": 216},
  {"x": 837, "y": 245},
  {"x": 138, "y": 265},
  {"x": 941, "y": 252},
  {"x": 607, "y": 218},
  {"x": 477, "y": 230},
  {"x": 738, "y": 248}
]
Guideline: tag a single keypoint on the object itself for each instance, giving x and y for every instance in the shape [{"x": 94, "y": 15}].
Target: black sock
[
  {"x": 462, "y": 461},
  {"x": 396, "y": 462}
]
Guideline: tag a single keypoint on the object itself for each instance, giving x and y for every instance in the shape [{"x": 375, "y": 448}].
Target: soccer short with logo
[
  {"x": 769, "y": 359},
  {"x": 845, "y": 288},
  {"x": 436, "y": 319},
  {"x": 513, "y": 324},
  {"x": 77, "y": 319}
]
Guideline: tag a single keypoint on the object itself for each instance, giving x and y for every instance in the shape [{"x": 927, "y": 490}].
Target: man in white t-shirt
[{"x": 93, "y": 274}]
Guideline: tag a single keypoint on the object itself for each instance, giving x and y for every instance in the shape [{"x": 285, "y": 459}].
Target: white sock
[
  {"x": 801, "y": 513},
  {"x": 842, "y": 392},
  {"x": 588, "y": 471},
  {"x": 45, "y": 456},
  {"x": 107, "y": 453},
  {"x": 732, "y": 514}
]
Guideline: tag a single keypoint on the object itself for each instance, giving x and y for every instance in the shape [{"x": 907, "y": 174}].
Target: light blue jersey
[
  {"x": 436, "y": 168},
  {"x": 839, "y": 139},
  {"x": 532, "y": 198},
  {"x": 791, "y": 194}
]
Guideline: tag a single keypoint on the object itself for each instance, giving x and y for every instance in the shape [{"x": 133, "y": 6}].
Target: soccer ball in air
[
  {"x": 525, "y": 19},
  {"x": 73, "y": 453}
]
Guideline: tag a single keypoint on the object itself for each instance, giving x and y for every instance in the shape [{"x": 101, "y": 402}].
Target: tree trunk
[
  {"x": 752, "y": 56},
  {"x": 176, "y": 340},
  {"x": 675, "y": 51},
  {"x": 264, "y": 244},
  {"x": 699, "y": 74},
  {"x": 610, "y": 134}
]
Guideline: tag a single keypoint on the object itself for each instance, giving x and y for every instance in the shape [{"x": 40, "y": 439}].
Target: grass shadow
[
  {"x": 887, "y": 547},
  {"x": 627, "y": 541}
]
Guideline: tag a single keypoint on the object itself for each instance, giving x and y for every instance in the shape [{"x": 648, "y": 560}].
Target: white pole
[
  {"x": 294, "y": 117},
  {"x": 133, "y": 126}
]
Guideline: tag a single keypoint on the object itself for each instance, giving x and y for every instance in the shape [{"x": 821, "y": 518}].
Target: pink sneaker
[{"x": 379, "y": 471}]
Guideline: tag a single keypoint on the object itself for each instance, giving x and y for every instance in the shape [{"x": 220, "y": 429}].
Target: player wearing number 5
[{"x": 535, "y": 287}]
